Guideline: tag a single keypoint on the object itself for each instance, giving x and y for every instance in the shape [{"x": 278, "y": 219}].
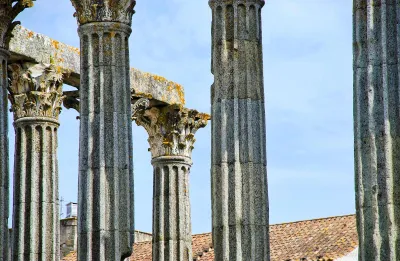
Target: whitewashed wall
[{"x": 353, "y": 256}]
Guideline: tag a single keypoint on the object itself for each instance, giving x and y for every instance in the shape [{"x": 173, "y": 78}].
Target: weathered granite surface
[
  {"x": 171, "y": 132},
  {"x": 91, "y": 11},
  {"x": 36, "y": 98},
  {"x": 68, "y": 235},
  {"x": 238, "y": 167},
  {"x": 377, "y": 128},
  {"x": 4, "y": 169},
  {"x": 141, "y": 236},
  {"x": 105, "y": 195},
  {"x": 9, "y": 10},
  {"x": 158, "y": 89},
  {"x": 30, "y": 46}
]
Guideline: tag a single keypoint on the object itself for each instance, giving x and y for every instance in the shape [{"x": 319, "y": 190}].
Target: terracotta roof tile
[
  {"x": 319, "y": 239},
  {"x": 328, "y": 238},
  {"x": 201, "y": 243},
  {"x": 142, "y": 251}
]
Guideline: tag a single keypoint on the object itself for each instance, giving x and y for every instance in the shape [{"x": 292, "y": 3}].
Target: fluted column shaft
[
  {"x": 36, "y": 214},
  {"x": 377, "y": 128},
  {"x": 238, "y": 175},
  {"x": 171, "y": 132},
  {"x": 4, "y": 172},
  {"x": 105, "y": 223},
  {"x": 172, "y": 232},
  {"x": 9, "y": 10},
  {"x": 36, "y": 97}
]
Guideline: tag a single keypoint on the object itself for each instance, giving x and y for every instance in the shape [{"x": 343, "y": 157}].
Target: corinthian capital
[
  {"x": 213, "y": 3},
  {"x": 9, "y": 9},
  {"x": 171, "y": 129},
  {"x": 88, "y": 11},
  {"x": 35, "y": 90}
]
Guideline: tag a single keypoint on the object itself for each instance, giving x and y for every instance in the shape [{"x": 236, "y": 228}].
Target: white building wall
[{"x": 353, "y": 256}]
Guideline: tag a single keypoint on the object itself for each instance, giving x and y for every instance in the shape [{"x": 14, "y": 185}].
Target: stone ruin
[{"x": 110, "y": 95}]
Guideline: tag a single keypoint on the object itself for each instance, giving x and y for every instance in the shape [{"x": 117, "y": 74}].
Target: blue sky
[{"x": 308, "y": 87}]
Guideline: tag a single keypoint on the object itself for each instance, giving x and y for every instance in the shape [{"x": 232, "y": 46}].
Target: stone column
[
  {"x": 171, "y": 137},
  {"x": 377, "y": 128},
  {"x": 36, "y": 98},
  {"x": 4, "y": 171},
  {"x": 105, "y": 200},
  {"x": 9, "y": 9},
  {"x": 238, "y": 167}
]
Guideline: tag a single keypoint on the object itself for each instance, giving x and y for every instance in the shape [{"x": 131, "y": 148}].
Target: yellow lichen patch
[
  {"x": 142, "y": 95},
  {"x": 30, "y": 34},
  {"x": 116, "y": 26},
  {"x": 204, "y": 116},
  {"x": 59, "y": 69},
  {"x": 180, "y": 92},
  {"x": 173, "y": 93},
  {"x": 159, "y": 78},
  {"x": 74, "y": 49},
  {"x": 55, "y": 44},
  {"x": 27, "y": 3}
]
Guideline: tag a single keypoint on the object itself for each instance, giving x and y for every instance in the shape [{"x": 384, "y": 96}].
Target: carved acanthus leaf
[
  {"x": 171, "y": 129},
  {"x": 139, "y": 106},
  {"x": 35, "y": 90},
  {"x": 213, "y": 3},
  {"x": 104, "y": 11}
]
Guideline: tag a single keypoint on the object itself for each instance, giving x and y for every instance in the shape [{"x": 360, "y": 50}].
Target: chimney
[
  {"x": 69, "y": 230},
  {"x": 72, "y": 210}
]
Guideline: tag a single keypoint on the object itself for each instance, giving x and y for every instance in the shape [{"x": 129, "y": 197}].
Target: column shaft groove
[
  {"x": 36, "y": 204},
  {"x": 9, "y": 10},
  {"x": 171, "y": 132},
  {"x": 105, "y": 205},
  {"x": 377, "y": 127},
  {"x": 238, "y": 175},
  {"x": 4, "y": 171},
  {"x": 36, "y": 97},
  {"x": 172, "y": 236}
]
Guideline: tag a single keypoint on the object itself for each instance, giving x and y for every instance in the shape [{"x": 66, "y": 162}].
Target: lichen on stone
[
  {"x": 9, "y": 10},
  {"x": 88, "y": 11},
  {"x": 35, "y": 90}
]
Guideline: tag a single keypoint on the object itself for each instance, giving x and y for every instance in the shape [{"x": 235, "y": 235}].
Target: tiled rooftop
[
  {"x": 318, "y": 239},
  {"x": 326, "y": 238}
]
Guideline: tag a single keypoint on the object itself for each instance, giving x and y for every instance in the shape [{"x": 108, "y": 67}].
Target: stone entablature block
[{"x": 26, "y": 45}]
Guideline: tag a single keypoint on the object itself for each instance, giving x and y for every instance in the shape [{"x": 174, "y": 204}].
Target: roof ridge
[
  {"x": 202, "y": 234},
  {"x": 143, "y": 242},
  {"x": 140, "y": 231},
  {"x": 314, "y": 219},
  {"x": 284, "y": 223}
]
